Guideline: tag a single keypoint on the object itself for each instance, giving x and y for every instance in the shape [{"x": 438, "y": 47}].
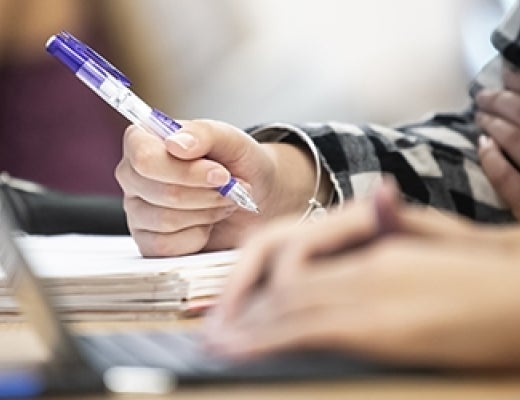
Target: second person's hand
[
  {"x": 499, "y": 116},
  {"x": 280, "y": 251},
  {"x": 424, "y": 294}
]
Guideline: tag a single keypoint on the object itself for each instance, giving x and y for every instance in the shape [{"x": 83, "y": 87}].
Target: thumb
[
  {"x": 387, "y": 204},
  {"x": 215, "y": 140},
  {"x": 393, "y": 216}
]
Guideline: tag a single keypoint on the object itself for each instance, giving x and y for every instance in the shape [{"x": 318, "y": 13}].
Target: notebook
[
  {"x": 141, "y": 362},
  {"x": 104, "y": 278}
]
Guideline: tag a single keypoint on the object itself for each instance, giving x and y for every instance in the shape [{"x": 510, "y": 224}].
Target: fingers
[
  {"x": 501, "y": 103},
  {"x": 305, "y": 329},
  {"x": 187, "y": 241},
  {"x": 499, "y": 113},
  {"x": 302, "y": 314},
  {"x": 355, "y": 225},
  {"x": 169, "y": 185},
  {"x": 147, "y": 155},
  {"x": 165, "y": 194},
  {"x": 386, "y": 205},
  {"x": 285, "y": 247},
  {"x": 502, "y": 175},
  {"x": 505, "y": 133},
  {"x": 213, "y": 139},
  {"x": 499, "y": 117},
  {"x": 142, "y": 216},
  {"x": 254, "y": 263},
  {"x": 327, "y": 304},
  {"x": 341, "y": 230}
]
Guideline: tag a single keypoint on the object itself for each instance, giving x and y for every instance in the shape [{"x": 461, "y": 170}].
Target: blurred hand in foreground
[{"x": 394, "y": 282}]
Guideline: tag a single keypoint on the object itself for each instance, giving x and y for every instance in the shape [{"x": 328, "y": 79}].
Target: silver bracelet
[{"x": 275, "y": 133}]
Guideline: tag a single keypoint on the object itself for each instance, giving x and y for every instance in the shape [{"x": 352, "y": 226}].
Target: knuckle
[
  {"x": 202, "y": 233},
  {"x": 129, "y": 204},
  {"x": 156, "y": 246},
  {"x": 118, "y": 171},
  {"x": 173, "y": 193},
  {"x": 131, "y": 209},
  {"x": 162, "y": 219},
  {"x": 203, "y": 122},
  {"x": 199, "y": 126},
  {"x": 143, "y": 160},
  {"x": 121, "y": 174},
  {"x": 200, "y": 236},
  {"x": 512, "y": 100},
  {"x": 509, "y": 135},
  {"x": 128, "y": 133},
  {"x": 500, "y": 98}
]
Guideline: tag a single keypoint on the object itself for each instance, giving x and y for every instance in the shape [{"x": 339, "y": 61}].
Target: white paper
[{"x": 89, "y": 275}]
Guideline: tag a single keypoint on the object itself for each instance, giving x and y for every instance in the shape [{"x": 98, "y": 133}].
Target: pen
[{"x": 113, "y": 87}]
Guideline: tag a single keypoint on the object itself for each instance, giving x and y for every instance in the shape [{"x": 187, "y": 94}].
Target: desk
[{"x": 18, "y": 343}]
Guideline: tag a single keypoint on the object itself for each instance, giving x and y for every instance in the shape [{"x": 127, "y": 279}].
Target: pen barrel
[
  {"x": 160, "y": 124},
  {"x": 117, "y": 95}
]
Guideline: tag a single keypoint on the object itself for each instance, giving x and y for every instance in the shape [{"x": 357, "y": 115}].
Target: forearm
[
  {"x": 435, "y": 162},
  {"x": 298, "y": 178}
]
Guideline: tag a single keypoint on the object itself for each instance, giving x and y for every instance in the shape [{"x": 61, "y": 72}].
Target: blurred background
[{"x": 241, "y": 61}]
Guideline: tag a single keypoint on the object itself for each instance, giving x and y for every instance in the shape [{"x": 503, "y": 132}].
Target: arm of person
[
  {"x": 284, "y": 247},
  {"x": 172, "y": 207},
  {"x": 434, "y": 161},
  {"x": 424, "y": 295}
]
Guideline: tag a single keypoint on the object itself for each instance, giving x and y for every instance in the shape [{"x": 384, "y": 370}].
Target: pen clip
[{"x": 74, "y": 53}]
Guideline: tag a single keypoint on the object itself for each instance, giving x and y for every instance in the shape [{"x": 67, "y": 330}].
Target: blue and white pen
[{"x": 113, "y": 87}]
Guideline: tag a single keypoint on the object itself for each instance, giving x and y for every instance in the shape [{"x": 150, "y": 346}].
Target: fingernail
[
  {"x": 484, "y": 142},
  {"x": 218, "y": 176},
  {"x": 183, "y": 139}
]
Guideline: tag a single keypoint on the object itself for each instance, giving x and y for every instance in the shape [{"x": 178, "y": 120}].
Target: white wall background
[{"x": 251, "y": 61}]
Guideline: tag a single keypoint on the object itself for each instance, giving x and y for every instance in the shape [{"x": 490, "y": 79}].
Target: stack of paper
[{"x": 105, "y": 278}]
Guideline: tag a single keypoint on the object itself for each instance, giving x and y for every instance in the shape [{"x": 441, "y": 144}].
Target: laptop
[{"x": 141, "y": 362}]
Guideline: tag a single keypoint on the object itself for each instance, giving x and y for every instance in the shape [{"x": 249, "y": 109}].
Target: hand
[
  {"x": 413, "y": 300},
  {"x": 499, "y": 117},
  {"x": 169, "y": 186},
  {"x": 426, "y": 295},
  {"x": 281, "y": 250}
]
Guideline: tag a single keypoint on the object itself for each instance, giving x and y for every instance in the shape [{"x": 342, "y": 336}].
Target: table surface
[{"x": 18, "y": 344}]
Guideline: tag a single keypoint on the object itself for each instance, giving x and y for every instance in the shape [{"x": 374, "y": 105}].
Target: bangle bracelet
[
  {"x": 315, "y": 210},
  {"x": 280, "y": 132}
]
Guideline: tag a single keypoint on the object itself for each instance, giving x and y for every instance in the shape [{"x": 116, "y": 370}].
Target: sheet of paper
[{"x": 80, "y": 256}]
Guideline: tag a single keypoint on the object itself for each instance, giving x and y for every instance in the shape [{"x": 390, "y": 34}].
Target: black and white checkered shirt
[{"x": 435, "y": 161}]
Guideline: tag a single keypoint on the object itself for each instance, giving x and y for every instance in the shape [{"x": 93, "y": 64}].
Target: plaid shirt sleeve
[{"x": 434, "y": 161}]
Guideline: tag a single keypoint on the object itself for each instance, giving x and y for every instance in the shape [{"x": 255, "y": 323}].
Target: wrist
[{"x": 296, "y": 179}]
